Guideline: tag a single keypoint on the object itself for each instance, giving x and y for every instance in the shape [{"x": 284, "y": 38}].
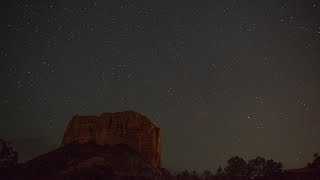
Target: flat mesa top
[{"x": 128, "y": 116}]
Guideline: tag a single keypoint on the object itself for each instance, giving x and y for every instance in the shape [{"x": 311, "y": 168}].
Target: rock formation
[
  {"x": 85, "y": 161},
  {"x": 129, "y": 127}
]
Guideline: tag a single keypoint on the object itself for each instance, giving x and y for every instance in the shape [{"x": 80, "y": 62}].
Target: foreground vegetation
[{"x": 237, "y": 168}]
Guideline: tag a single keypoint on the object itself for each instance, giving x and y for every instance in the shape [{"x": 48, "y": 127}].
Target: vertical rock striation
[{"x": 128, "y": 127}]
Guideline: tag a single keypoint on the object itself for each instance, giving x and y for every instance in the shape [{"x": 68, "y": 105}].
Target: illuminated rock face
[{"x": 127, "y": 127}]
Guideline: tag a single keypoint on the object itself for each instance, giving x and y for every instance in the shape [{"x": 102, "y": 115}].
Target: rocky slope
[{"x": 88, "y": 161}]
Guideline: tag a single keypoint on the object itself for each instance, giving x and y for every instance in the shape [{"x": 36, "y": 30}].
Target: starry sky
[{"x": 220, "y": 78}]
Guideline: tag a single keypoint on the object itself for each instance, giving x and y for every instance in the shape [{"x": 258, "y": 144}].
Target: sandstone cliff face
[{"x": 127, "y": 127}]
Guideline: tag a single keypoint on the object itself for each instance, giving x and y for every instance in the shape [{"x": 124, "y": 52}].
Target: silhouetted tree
[
  {"x": 8, "y": 156},
  {"x": 194, "y": 175},
  {"x": 167, "y": 175},
  {"x": 236, "y": 167},
  {"x": 260, "y": 167},
  {"x": 256, "y": 167},
  {"x": 206, "y": 175},
  {"x": 183, "y": 175},
  {"x": 316, "y": 161},
  {"x": 273, "y": 168},
  {"x": 220, "y": 171}
]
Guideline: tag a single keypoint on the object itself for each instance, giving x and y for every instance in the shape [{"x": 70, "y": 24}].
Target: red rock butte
[{"x": 129, "y": 127}]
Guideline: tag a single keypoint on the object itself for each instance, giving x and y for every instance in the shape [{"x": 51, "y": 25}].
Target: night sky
[{"x": 220, "y": 78}]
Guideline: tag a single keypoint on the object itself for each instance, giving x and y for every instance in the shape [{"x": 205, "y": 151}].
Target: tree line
[{"x": 236, "y": 167}]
